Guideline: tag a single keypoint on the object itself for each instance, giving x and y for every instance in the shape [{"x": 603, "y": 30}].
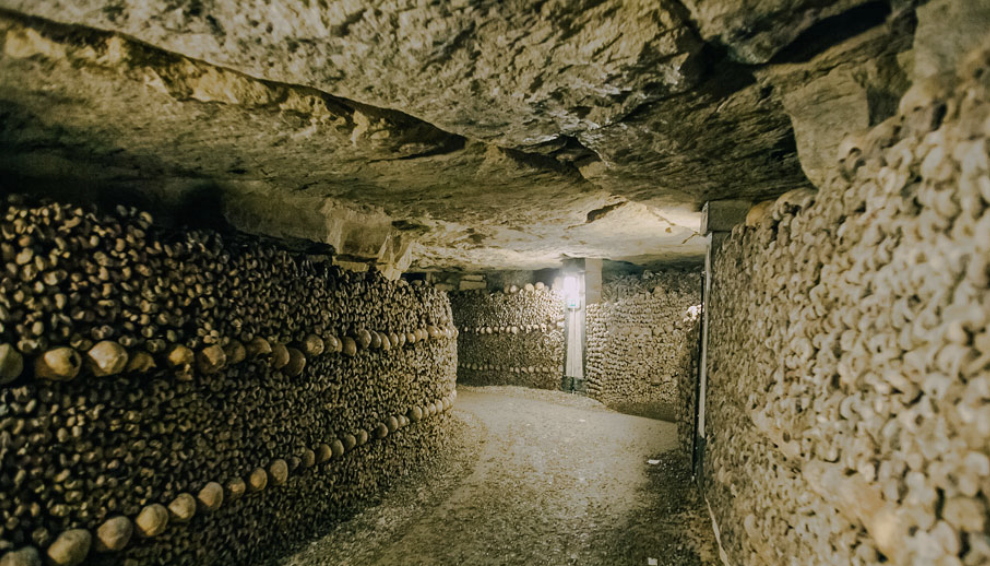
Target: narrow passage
[{"x": 539, "y": 478}]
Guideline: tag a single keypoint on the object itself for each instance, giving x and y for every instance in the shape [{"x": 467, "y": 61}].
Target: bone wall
[
  {"x": 849, "y": 385},
  {"x": 642, "y": 343},
  {"x": 193, "y": 398},
  {"x": 510, "y": 338}
]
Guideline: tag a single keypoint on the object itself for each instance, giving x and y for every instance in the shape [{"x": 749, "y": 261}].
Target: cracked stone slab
[
  {"x": 842, "y": 91},
  {"x": 728, "y": 138},
  {"x": 754, "y": 31},
  {"x": 516, "y": 73}
]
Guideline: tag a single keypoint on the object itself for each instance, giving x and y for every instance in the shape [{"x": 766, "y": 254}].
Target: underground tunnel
[{"x": 568, "y": 282}]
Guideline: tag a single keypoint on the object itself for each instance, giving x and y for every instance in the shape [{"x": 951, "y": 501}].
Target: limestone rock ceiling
[{"x": 476, "y": 134}]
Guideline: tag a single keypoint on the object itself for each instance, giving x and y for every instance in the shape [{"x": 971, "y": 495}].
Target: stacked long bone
[
  {"x": 641, "y": 342},
  {"x": 158, "y": 386},
  {"x": 510, "y": 337}
]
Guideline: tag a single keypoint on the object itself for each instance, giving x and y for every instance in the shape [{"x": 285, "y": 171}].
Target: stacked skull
[
  {"x": 149, "y": 378},
  {"x": 510, "y": 337},
  {"x": 849, "y": 378},
  {"x": 642, "y": 343}
]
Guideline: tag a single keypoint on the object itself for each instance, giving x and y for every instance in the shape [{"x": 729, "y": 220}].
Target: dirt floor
[
  {"x": 534, "y": 478},
  {"x": 660, "y": 411}
]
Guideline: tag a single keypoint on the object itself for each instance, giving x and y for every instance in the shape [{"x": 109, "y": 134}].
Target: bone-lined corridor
[{"x": 495, "y": 282}]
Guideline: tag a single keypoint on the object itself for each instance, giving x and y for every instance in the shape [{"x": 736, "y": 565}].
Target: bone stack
[
  {"x": 642, "y": 342},
  {"x": 510, "y": 337},
  {"x": 163, "y": 393},
  {"x": 849, "y": 385}
]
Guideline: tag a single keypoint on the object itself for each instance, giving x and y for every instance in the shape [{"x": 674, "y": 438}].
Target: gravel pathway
[{"x": 534, "y": 478}]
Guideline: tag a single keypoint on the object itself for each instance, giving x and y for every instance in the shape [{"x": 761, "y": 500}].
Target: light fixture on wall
[{"x": 572, "y": 291}]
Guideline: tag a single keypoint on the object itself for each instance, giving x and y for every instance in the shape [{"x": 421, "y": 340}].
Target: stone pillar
[
  {"x": 589, "y": 276},
  {"x": 717, "y": 220},
  {"x": 574, "y": 335}
]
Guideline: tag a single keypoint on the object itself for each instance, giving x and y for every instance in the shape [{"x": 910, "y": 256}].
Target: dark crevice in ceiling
[
  {"x": 410, "y": 226},
  {"x": 573, "y": 152},
  {"x": 833, "y": 31},
  {"x": 451, "y": 144},
  {"x": 564, "y": 158},
  {"x": 155, "y": 57},
  {"x": 599, "y": 213}
]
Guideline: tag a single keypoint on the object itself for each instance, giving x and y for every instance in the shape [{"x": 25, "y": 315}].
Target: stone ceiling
[{"x": 435, "y": 135}]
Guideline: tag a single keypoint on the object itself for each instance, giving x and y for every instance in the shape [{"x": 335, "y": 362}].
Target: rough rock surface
[
  {"x": 947, "y": 30},
  {"x": 475, "y": 134},
  {"x": 295, "y": 163},
  {"x": 516, "y": 72},
  {"x": 846, "y": 89}
]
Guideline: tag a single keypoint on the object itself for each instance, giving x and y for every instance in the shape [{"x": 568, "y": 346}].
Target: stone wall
[
  {"x": 510, "y": 338},
  {"x": 849, "y": 385},
  {"x": 192, "y": 398},
  {"x": 642, "y": 342}
]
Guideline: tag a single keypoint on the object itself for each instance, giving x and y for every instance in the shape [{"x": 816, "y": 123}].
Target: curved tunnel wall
[
  {"x": 849, "y": 377},
  {"x": 227, "y": 399}
]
